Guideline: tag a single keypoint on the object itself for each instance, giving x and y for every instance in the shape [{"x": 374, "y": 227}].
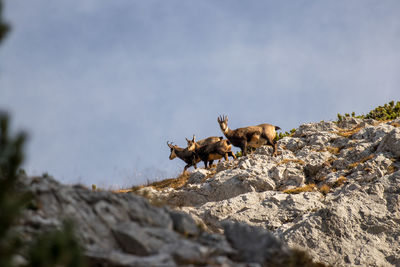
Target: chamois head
[
  {"x": 223, "y": 122},
  {"x": 191, "y": 144},
  {"x": 173, "y": 154}
]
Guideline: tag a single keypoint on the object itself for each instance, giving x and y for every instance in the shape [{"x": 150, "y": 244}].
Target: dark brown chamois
[
  {"x": 189, "y": 157},
  {"x": 210, "y": 152},
  {"x": 252, "y": 136}
]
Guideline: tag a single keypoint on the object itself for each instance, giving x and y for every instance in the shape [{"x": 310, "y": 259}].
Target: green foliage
[
  {"x": 56, "y": 248},
  {"x": 11, "y": 201},
  {"x": 388, "y": 111},
  {"x": 238, "y": 154},
  {"x": 4, "y": 28},
  {"x": 249, "y": 151},
  {"x": 282, "y": 135}
]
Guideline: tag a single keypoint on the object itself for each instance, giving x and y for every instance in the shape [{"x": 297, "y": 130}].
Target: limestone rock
[
  {"x": 391, "y": 143},
  {"x": 198, "y": 176}
]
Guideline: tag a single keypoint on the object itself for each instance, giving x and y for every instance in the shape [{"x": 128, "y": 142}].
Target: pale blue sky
[{"x": 102, "y": 85}]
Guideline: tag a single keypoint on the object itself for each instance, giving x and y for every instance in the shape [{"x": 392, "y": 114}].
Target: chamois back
[{"x": 251, "y": 136}]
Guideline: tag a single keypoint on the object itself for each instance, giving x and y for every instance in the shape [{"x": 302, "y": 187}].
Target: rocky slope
[
  {"x": 125, "y": 230},
  {"x": 349, "y": 213},
  {"x": 351, "y": 216}
]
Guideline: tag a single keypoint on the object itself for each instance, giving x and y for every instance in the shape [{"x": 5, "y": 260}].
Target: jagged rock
[
  {"x": 142, "y": 241},
  {"x": 184, "y": 224},
  {"x": 391, "y": 143},
  {"x": 270, "y": 210},
  {"x": 349, "y": 122},
  {"x": 256, "y": 245},
  {"x": 198, "y": 176},
  {"x": 293, "y": 144}
]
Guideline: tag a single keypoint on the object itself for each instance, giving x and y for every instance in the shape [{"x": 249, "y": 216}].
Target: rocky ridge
[
  {"x": 351, "y": 216},
  {"x": 243, "y": 212}
]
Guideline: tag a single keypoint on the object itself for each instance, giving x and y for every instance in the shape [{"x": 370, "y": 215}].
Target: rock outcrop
[
  {"x": 126, "y": 230},
  {"x": 346, "y": 210},
  {"x": 350, "y": 217}
]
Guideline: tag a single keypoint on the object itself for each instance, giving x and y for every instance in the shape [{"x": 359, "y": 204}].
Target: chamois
[
  {"x": 210, "y": 152},
  {"x": 252, "y": 136},
  {"x": 202, "y": 142},
  {"x": 189, "y": 157}
]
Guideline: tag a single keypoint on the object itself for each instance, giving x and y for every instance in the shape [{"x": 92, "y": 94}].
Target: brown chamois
[
  {"x": 210, "y": 152},
  {"x": 205, "y": 141},
  {"x": 252, "y": 136},
  {"x": 189, "y": 157}
]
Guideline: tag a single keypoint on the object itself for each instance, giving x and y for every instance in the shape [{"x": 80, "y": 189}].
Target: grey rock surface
[
  {"x": 356, "y": 222},
  {"x": 123, "y": 229}
]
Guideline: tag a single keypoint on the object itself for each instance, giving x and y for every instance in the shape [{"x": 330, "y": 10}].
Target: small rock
[
  {"x": 184, "y": 224},
  {"x": 198, "y": 176}
]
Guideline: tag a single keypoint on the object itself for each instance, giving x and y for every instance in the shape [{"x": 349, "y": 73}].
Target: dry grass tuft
[
  {"x": 175, "y": 183},
  {"x": 330, "y": 161},
  {"x": 392, "y": 169},
  {"x": 395, "y": 124},
  {"x": 285, "y": 161},
  {"x": 355, "y": 164},
  {"x": 331, "y": 149},
  {"x": 299, "y": 257},
  {"x": 324, "y": 189},
  {"x": 348, "y": 133},
  {"x": 340, "y": 181},
  {"x": 306, "y": 188}
]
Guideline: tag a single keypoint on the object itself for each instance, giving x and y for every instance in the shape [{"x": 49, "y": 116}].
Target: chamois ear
[
  {"x": 226, "y": 119},
  {"x": 187, "y": 140},
  {"x": 194, "y": 138}
]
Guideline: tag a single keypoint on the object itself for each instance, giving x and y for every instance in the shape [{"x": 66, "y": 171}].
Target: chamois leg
[
  {"x": 186, "y": 167},
  {"x": 205, "y": 164},
  {"x": 274, "y": 145},
  {"x": 244, "y": 149},
  {"x": 230, "y": 153},
  {"x": 210, "y": 162}
]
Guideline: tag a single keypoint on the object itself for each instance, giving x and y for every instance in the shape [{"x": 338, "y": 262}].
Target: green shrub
[
  {"x": 389, "y": 111},
  {"x": 282, "y": 135},
  {"x": 4, "y": 28},
  {"x": 11, "y": 201},
  {"x": 56, "y": 248}
]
